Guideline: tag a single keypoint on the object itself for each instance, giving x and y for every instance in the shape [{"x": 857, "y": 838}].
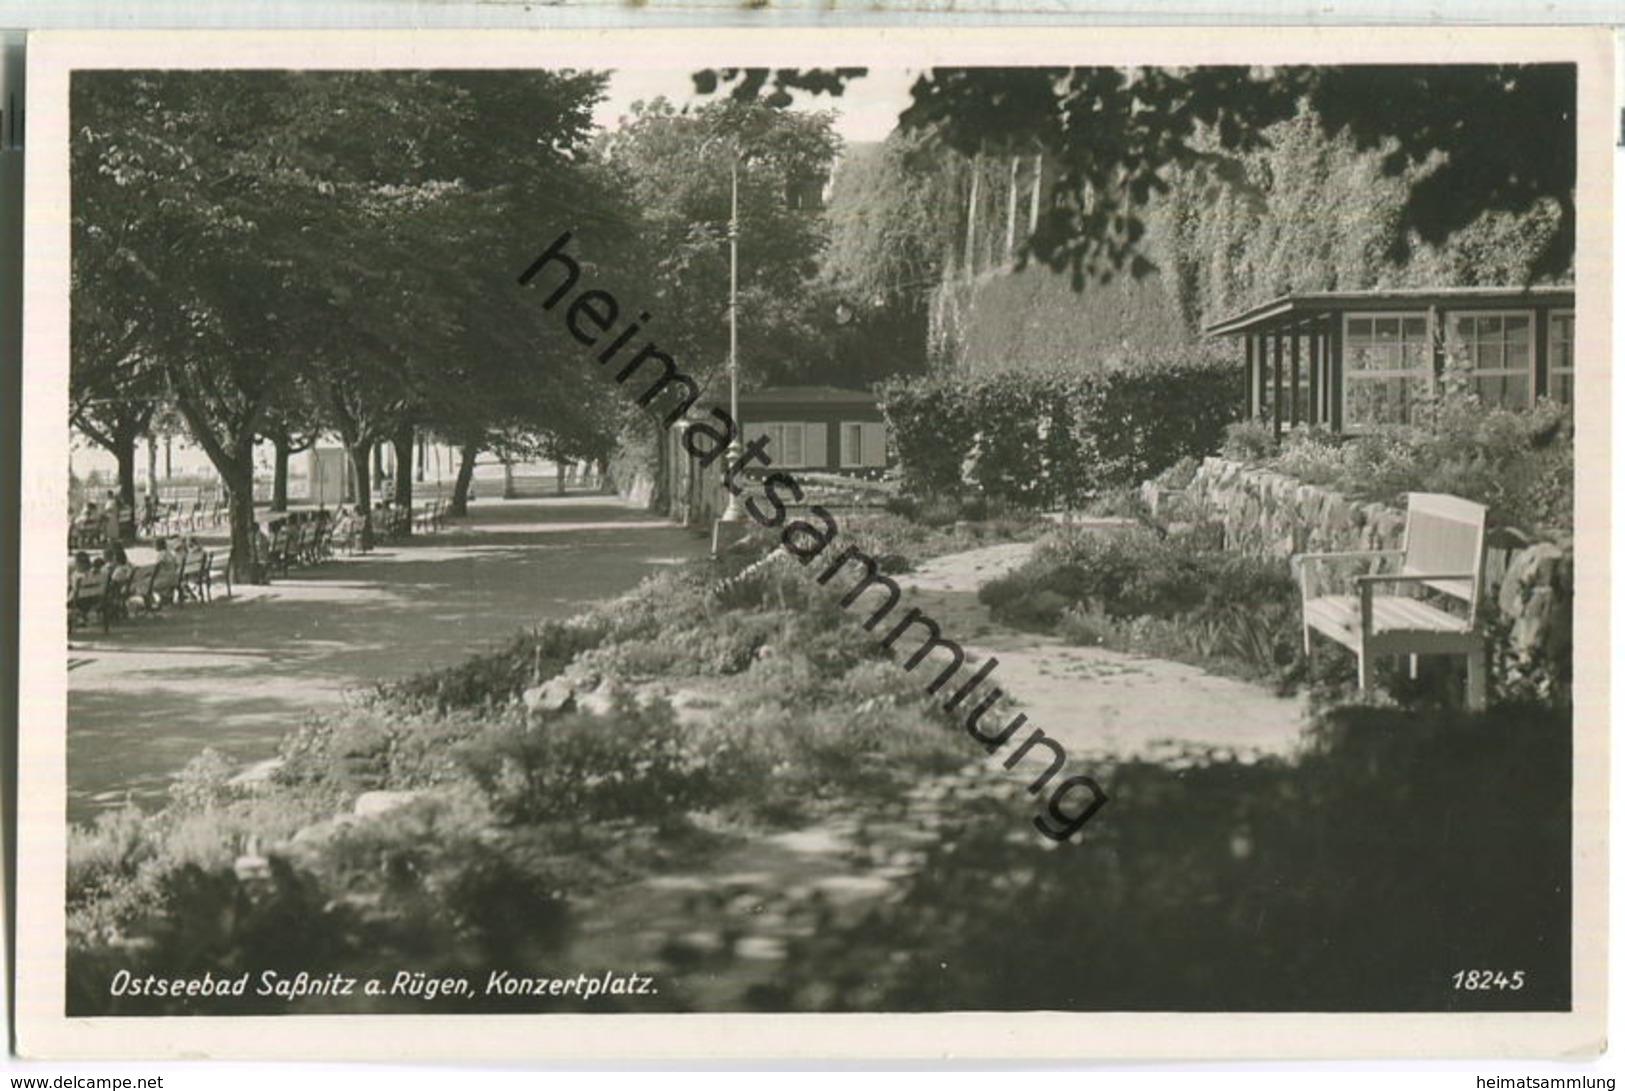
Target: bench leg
[{"x": 1477, "y": 682}]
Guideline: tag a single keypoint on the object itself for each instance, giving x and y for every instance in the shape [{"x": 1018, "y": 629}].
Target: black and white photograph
[{"x": 1044, "y": 525}]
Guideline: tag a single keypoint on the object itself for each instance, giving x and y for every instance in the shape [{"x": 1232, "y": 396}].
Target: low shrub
[
  {"x": 381, "y": 745},
  {"x": 1402, "y": 848},
  {"x": 632, "y": 764},
  {"x": 912, "y": 532},
  {"x": 1048, "y": 439},
  {"x": 1161, "y": 595},
  {"x": 108, "y": 870},
  {"x": 1250, "y": 440},
  {"x": 1120, "y": 503},
  {"x": 497, "y": 677},
  {"x": 1132, "y": 573},
  {"x": 1520, "y": 464},
  {"x": 430, "y": 886}
]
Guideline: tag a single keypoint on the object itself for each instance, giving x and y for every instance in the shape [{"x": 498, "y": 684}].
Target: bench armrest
[
  {"x": 1413, "y": 577},
  {"x": 1304, "y": 565},
  {"x": 1348, "y": 555},
  {"x": 1366, "y": 583}
]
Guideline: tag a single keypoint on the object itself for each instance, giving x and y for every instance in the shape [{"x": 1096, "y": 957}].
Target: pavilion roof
[{"x": 1297, "y": 310}]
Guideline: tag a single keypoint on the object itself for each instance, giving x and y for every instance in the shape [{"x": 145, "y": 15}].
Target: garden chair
[
  {"x": 216, "y": 568},
  {"x": 140, "y": 589},
  {"x": 89, "y": 598},
  {"x": 166, "y": 584},
  {"x": 198, "y": 577},
  {"x": 276, "y": 557},
  {"x": 1426, "y": 604}
]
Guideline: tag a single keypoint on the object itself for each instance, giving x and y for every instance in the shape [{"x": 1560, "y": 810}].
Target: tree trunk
[
  {"x": 559, "y": 472},
  {"x": 423, "y": 458},
  {"x": 377, "y": 467},
  {"x": 152, "y": 467},
  {"x": 970, "y": 220},
  {"x": 1010, "y": 207},
  {"x": 507, "y": 480},
  {"x": 124, "y": 451},
  {"x": 279, "y": 480},
  {"x": 465, "y": 478},
  {"x": 239, "y": 481},
  {"x": 361, "y": 457},
  {"x": 403, "y": 441}
]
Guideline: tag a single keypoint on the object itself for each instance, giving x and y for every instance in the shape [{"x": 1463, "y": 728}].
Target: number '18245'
[{"x": 1475, "y": 980}]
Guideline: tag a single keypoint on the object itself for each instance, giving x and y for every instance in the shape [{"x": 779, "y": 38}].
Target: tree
[
  {"x": 675, "y": 170},
  {"x": 893, "y": 225},
  {"x": 1497, "y": 138},
  {"x": 168, "y": 171},
  {"x": 274, "y": 230},
  {"x": 292, "y": 425},
  {"x": 1317, "y": 212},
  {"x": 115, "y": 392}
]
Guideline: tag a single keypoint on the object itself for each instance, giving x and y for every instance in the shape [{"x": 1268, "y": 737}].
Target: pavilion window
[
  {"x": 1497, "y": 348},
  {"x": 863, "y": 444},
  {"x": 1387, "y": 367},
  {"x": 786, "y": 442},
  {"x": 1560, "y": 353}
]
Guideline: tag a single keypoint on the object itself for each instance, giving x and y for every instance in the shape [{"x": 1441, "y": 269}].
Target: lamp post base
[{"x": 727, "y": 532}]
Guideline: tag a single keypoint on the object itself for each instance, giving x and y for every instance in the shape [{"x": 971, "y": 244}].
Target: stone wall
[
  {"x": 1269, "y": 513},
  {"x": 1529, "y": 586}
]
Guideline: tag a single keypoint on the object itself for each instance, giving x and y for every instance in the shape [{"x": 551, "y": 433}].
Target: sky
[{"x": 868, "y": 110}]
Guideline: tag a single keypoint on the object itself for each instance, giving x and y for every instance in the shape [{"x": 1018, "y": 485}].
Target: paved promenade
[{"x": 240, "y": 672}]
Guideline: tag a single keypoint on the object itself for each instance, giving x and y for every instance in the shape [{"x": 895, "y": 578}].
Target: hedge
[{"x": 1051, "y": 438}]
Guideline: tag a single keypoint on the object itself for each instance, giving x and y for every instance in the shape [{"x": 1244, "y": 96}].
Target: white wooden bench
[{"x": 1404, "y": 611}]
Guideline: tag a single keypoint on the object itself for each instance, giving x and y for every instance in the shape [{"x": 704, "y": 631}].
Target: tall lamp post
[{"x": 733, "y": 514}]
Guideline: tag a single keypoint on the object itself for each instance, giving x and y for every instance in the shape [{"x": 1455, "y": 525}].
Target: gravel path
[{"x": 1099, "y": 702}]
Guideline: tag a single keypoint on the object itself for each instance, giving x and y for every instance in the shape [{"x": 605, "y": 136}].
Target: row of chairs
[
  {"x": 430, "y": 517},
  {"x": 108, "y": 595},
  {"x": 167, "y": 520},
  {"x": 178, "y": 517},
  {"x": 392, "y": 522},
  {"x": 87, "y": 532},
  {"x": 306, "y": 542}
]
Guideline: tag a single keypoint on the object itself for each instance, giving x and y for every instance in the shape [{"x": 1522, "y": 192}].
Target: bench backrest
[
  {"x": 1445, "y": 534},
  {"x": 92, "y": 586},
  {"x": 142, "y": 578},
  {"x": 167, "y": 578}
]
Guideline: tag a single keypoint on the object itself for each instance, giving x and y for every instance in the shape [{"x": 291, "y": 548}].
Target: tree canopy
[
  {"x": 1492, "y": 138},
  {"x": 675, "y": 169},
  {"x": 268, "y": 241}
]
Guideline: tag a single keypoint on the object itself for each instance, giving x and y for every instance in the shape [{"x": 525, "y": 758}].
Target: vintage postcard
[{"x": 816, "y": 544}]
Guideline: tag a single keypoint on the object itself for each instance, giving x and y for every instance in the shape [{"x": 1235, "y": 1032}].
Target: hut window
[
  {"x": 1387, "y": 365},
  {"x": 1498, "y": 349},
  {"x": 863, "y": 444},
  {"x": 786, "y": 443},
  {"x": 1560, "y": 350}
]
